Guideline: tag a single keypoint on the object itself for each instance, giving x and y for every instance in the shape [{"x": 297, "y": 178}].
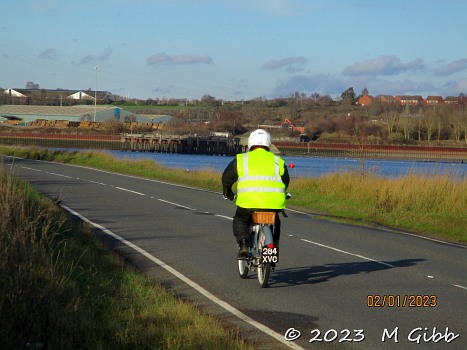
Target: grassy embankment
[{"x": 61, "y": 288}]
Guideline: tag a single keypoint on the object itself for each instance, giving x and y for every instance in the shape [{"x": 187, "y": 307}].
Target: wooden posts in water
[{"x": 211, "y": 145}]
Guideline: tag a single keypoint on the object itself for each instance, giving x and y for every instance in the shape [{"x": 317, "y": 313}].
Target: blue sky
[{"x": 237, "y": 49}]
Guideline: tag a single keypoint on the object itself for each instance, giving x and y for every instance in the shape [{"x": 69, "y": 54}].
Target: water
[{"x": 306, "y": 166}]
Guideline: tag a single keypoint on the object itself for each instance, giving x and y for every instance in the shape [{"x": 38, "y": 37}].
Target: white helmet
[{"x": 259, "y": 137}]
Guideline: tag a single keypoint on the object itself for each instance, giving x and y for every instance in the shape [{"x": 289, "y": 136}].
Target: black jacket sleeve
[
  {"x": 229, "y": 177},
  {"x": 285, "y": 177}
]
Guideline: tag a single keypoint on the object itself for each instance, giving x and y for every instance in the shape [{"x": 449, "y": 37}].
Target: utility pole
[{"x": 95, "y": 94}]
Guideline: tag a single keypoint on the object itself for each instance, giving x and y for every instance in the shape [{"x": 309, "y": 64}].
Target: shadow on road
[{"x": 323, "y": 273}]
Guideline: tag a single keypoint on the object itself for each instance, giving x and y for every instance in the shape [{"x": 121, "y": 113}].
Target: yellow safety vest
[{"x": 259, "y": 183}]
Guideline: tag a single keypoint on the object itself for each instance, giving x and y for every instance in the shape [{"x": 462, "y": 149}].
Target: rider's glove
[{"x": 228, "y": 194}]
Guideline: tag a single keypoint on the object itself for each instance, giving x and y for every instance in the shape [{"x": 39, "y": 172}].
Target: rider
[{"x": 262, "y": 180}]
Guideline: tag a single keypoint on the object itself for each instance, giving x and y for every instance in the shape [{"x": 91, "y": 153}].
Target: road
[{"x": 329, "y": 282}]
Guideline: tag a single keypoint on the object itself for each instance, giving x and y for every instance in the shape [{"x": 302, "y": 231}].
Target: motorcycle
[{"x": 264, "y": 253}]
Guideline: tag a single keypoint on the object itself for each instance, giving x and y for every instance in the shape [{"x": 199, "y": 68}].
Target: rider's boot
[{"x": 244, "y": 249}]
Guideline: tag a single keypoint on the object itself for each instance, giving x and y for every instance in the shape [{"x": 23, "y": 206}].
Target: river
[{"x": 307, "y": 166}]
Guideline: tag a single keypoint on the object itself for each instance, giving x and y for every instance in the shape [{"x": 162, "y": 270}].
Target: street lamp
[{"x": 95, "y": 95}]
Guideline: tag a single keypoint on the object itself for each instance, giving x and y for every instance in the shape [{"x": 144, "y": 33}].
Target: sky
[{"x": 236, "y": 49}]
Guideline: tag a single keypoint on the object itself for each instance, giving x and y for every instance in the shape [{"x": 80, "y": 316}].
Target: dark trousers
[{"x": 243, "y": 219}]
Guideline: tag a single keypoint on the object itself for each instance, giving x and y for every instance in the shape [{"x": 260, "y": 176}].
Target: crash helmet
[{"x": 259, "y": 137}]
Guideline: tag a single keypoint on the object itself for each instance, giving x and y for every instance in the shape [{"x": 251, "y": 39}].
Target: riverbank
[{"x": 217, "y": 145}]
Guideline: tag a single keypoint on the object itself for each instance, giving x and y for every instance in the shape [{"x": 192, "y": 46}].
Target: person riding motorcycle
[{"x": 262, "y": 179}]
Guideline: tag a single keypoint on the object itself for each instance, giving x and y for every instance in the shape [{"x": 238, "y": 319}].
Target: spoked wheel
[
  {"x": 243, "y": 268},
  {"x": 263, "y": 274}
]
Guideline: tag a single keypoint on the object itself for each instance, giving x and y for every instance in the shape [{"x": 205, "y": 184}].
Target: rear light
[{"x": 271, "y": 245}]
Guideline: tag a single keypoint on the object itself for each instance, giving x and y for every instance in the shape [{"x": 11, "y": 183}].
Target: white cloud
[
  {"x": 322, "y": 83},
  {"x": 284, "y": 62},
  {"x": 452, "y": 67},
  {"x": 162, "y": 57},
  {"x": 383, "y": 65},
  {"x": 49, "y": 54}
]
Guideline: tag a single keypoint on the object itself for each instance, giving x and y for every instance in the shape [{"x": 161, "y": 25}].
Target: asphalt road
[{"x": 338, "y": 286}]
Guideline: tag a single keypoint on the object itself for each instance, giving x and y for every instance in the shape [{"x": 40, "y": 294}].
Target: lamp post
[{"x": 95, "y": 95}]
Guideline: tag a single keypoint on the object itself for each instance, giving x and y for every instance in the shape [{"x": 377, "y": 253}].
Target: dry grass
[
  {"x": 61, "y": 288},
  {"x": 433, "y": 205}
]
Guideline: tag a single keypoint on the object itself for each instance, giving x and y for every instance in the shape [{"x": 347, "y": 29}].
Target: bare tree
[
  {"x": 430, "y": 122},
  {"x": 391, "y": 118},
  {"x": 455, "y": 119}
]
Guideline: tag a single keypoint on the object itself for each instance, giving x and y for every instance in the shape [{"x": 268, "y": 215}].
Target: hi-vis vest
[{"x": 259, "y": 183}]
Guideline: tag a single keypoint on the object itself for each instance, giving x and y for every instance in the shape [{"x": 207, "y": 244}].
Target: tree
[
  {"x": 365, "y": 92},
  {"x": 208, "y": 100},
  {"x": 405, "y": 123},
  {"x": 430, "y": 123},
  {"x": 30, "y": 85},
  {"x": 348, "y": 96},
  {"x": 391, "y": 118}
]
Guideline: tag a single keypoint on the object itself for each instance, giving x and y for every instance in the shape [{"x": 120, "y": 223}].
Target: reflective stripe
[
  {"x": 245, "y": 164},
  {"x": 260, "y": 189},
  {"x": 260, "y": 178},
  {"x": 276, "y": 166}
]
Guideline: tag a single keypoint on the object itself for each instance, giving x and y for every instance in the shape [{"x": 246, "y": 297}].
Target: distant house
[
  {"x": 433, "y": 100},
  {"x": 365, "y": 100},
  {"x": 451, "y": 100},
  {"x": 410, "y": 100},
  {"x": 386, "y": 99}
]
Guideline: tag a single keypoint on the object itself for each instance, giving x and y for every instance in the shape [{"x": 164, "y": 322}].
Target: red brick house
[
  {"x": 410, "y": 100},
  {"x": 386, "y": 99},
  {"x": 433, "y": 100},
  {"x": 365, "y": 100}
]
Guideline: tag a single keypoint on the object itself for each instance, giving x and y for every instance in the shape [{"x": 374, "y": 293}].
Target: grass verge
[{"x": 61, "y": 288}]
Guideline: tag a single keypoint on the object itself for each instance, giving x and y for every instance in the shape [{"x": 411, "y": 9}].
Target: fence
[
  {"x": 215, "y": 145},
  {"x": 374, "y": 151}
]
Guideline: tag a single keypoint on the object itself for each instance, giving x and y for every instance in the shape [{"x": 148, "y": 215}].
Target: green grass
[{"x": 63, "y": 289}]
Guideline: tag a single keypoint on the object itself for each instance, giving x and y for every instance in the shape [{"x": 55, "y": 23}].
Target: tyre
[
  {"x": 243, "y": 268},
  {"x": 263, "y": 274},
  {"x": 264, "y": 269}
]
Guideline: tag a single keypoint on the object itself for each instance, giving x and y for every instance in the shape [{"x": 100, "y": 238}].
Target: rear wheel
[
  {"x": 264, "y": 269},
  {"x": 243, "y": 268},
  {"x": 263, "y": 274}
]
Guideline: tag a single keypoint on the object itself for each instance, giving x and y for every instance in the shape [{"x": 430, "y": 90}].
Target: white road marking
[
  {"x": 191, "y": 283},
  {"x": 95, "y": 182},
  {"x": 25, "y": 167},
  {"x": 223, "y": 216},
  {"x": 348, "y": 253},
  {"x": 176, "y": 204},
  {"x": 61, "y": 175},
  {"x": 127, "y": 190},
  {"x": 459, "y": 286}
]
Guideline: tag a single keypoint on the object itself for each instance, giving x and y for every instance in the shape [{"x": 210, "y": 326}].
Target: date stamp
[{"x": 395, "y": 300}]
